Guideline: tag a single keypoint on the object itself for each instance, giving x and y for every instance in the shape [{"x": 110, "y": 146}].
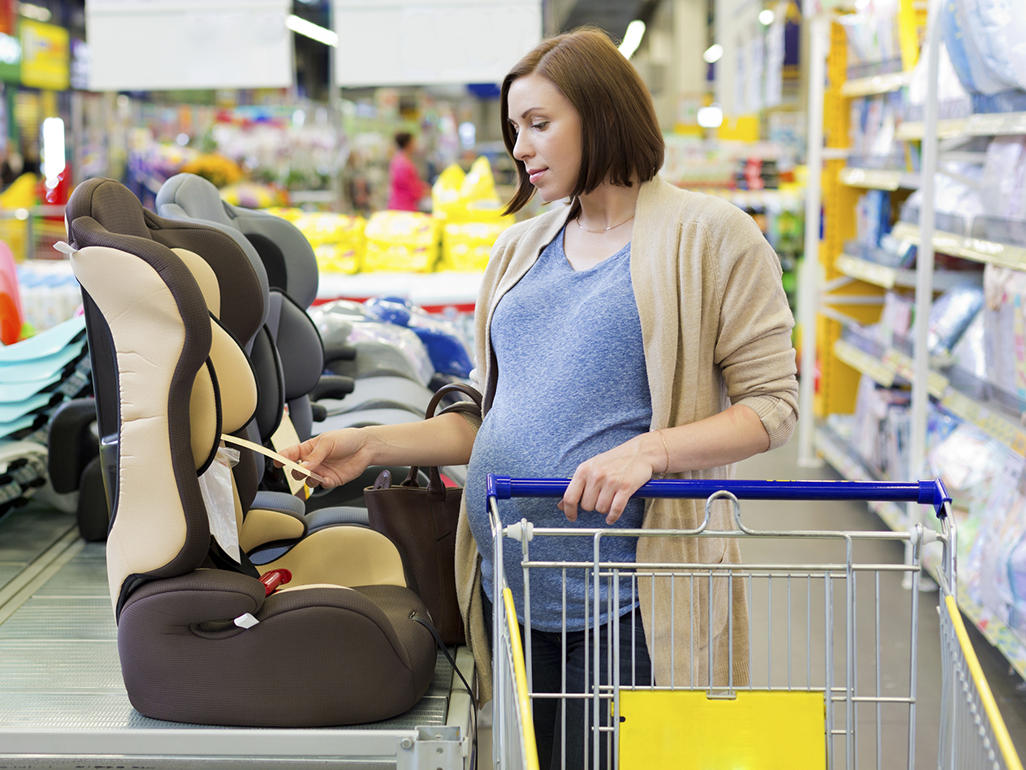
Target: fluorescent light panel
[
  {"x": 632, "y": 38},
  {"x": 313, "y": 31}
]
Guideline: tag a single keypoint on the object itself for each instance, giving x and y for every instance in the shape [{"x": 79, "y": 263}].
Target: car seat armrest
[
  {"x": 72, "y": 441},
  {"x": 332, "y": 386},
  {"x": 340, "y": 351},
  {"x": 318, "y": 413},
  {"x": 203, "y": 596}
]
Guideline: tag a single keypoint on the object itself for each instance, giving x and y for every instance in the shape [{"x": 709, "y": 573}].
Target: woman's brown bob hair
[{"x": 620, "y": 136}]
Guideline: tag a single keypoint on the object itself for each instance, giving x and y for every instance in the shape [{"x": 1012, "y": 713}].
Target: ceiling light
[
  {"x": 710, "y": 117},
  {"x": 632, "y": 38},
  {"x": 314, "y": 31},
  {"x": 713, "y": 53},
  {"x": 766, "y": 16}
]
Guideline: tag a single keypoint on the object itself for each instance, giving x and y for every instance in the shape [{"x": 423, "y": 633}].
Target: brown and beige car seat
[{"x": 199, "y": 637}]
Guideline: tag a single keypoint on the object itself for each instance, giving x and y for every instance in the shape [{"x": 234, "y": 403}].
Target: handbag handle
[{"x": 434, "y": 477}]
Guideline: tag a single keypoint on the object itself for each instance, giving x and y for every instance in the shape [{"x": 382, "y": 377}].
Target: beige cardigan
[{"x": 717, "y": 331}]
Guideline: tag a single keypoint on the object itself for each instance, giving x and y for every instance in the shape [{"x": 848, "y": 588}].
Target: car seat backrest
[
  {"x": 162, "y": 345},
  {"x": 182, "y": 382},
  {"x": 286, "y": 253}
]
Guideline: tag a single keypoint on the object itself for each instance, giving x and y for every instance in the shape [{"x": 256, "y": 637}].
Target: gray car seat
[{"x": 201, "y": 639}]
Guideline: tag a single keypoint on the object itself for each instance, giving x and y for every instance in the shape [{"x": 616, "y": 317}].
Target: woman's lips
[{"x": 534, "y": 175}]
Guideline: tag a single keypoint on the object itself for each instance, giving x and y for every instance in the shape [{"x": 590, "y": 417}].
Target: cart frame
[{"x": 966, "y": 698}]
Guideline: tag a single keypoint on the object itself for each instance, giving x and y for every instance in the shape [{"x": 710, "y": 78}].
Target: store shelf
[
  {"x": 879, "y": 178},
  {"x": 989, "y": 421},
  {"x": 993, "y": 124},
  {"x": 892, "y": 277},
  {"x": 868, "y": 364},
  {"x": 877, "y": 84},
  {"x": 894, "y": 364},
  {"x": 975, "y": 249},
  {"x": 936, "y": 384},
  {"x": 840, "y": 456},
  {"x": 995, "y": 631},
  {"x": 775, "y": 198}
]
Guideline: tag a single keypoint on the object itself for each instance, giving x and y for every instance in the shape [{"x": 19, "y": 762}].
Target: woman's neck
[{"x": 607, "y": 206}]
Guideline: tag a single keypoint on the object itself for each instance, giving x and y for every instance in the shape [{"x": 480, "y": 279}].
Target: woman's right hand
[{"x": 337, "y": 456}]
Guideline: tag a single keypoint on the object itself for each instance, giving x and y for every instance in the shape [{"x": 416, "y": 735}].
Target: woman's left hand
[{"x": 606, "y": 482}]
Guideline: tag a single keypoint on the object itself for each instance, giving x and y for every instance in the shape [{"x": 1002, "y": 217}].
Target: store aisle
[
  {"x": 771, "y": 662},
  {"x": 1006, "y": 685}
]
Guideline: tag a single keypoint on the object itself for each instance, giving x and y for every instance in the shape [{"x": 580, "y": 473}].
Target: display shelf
[
  {"x": 990, "y": 124},
  {"x": 879, "y": 178},
  {"x": 840, "y": 456},
  {"x": 894, "y": 364},
  {"x": 936, "y": 384},
  {"x": 989, "y": 421},
  {"x": 873, "y": 367},
  {"x": 966, "y": 247},
  {"x": 876, "y": 84},
  {"x": 892, "y": 277},
  {"x": 769, "y": 198},
  {"x": 428, "y": 290},
  {"x": 995, "y": 631}
]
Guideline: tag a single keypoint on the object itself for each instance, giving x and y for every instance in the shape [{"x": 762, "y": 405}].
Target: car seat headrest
[
  {"x": 111, "y": 204},
  {"x": 286, "y": 254},
  {"x": 193, "y": 197}
]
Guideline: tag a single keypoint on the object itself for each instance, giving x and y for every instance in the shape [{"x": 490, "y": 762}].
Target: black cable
[{"x": 445, "y": 651}]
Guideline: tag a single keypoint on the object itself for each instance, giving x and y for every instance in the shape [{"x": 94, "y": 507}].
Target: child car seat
[
  {"x": 199, "y": 637},
  {"x": 292, "y": 275}
]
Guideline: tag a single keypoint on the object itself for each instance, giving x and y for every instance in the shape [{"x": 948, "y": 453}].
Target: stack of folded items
[{"x": 36, "y": 376}]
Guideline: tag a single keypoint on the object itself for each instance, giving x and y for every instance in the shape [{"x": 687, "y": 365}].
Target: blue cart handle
[{"x": 923, "y": 492}]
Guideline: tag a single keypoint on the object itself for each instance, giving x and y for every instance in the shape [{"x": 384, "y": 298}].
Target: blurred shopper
[{"x": 406, "y": 188}]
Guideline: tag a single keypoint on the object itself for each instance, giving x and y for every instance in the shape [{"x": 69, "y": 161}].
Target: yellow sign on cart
[{"x": 687, "y": 730}]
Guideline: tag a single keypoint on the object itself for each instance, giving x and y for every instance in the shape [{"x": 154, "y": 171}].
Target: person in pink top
[{"x": 406, "y": 188}]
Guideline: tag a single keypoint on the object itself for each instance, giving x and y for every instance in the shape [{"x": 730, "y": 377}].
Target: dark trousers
[{"x": 551, "y": 725}]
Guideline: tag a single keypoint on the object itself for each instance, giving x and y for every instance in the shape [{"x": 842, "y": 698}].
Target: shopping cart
[{"x": 826, "y": 688}]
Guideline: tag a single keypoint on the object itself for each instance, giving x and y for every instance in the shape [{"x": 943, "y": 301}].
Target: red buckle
[{"x": 274, "y": 578}]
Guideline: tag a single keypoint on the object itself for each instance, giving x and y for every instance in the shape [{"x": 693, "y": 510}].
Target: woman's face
[{"x": 548, "y": 135}]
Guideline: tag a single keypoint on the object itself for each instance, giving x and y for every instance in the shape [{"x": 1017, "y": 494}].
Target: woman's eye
[{"x": 541, "y": 126}]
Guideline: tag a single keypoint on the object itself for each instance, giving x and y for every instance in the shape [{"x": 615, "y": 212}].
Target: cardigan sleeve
[{"x": 753, "y": 347}]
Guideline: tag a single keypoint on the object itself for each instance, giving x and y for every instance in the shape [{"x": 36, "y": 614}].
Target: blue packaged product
[{"x": 951, "y": 315}]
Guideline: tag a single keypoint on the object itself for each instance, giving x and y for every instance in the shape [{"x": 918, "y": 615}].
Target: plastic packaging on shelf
[
  {"x": 873, "y": 216},
  {"x": 999, "y": 29},
  {"x": 467, "y": 197},
  {"x": 1004, "y": 317},
  {"x": 950, "y": 316},
  {"x": 449, "y": 352},
  {"x": 466, "y": 246},
  {"x": 1004, "y": 168},
  {"x": 401, "y": 241}
]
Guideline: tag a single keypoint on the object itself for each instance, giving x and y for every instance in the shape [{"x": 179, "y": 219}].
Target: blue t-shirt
[{"x": 571, "y": 384}]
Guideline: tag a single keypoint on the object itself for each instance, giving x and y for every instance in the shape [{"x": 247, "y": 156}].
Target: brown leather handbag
[{"x": 421, "y": 521}]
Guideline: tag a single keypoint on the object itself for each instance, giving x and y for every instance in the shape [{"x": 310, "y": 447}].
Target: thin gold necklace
[{"x": 577, "y": 219}]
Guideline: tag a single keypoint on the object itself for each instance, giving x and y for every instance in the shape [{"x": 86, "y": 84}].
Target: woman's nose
[{"x": 521, "y": 149}]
